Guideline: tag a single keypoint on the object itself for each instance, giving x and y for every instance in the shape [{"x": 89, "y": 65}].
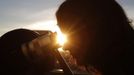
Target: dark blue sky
[{"x": 23, "y": 13}]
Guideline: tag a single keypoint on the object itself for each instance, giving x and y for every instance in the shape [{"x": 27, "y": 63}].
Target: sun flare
[
  {"x": 50, "y": 25},
  {"x": 61, "y": 39}
]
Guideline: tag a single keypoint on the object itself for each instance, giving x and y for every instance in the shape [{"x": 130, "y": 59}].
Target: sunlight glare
[
  {"x": 51, "y": 26},
  {"x": 43, "y": 25},
  {"x": 61, "y": 38},
  {"x": 60, "y": 49}
]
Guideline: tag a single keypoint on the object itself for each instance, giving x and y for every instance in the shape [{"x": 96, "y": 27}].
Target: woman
[{"x": 100, "y": 35}]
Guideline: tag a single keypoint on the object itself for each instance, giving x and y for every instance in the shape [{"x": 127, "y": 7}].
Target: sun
[
  {"x": 50, "y": 25},
  {"x": 61, "y": 39}
]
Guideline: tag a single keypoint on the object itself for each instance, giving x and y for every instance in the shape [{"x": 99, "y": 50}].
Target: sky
[{"x": 38, "y": 14}]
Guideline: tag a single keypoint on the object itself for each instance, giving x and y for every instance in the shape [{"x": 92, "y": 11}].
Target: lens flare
[
  {"x": 61, "y": 39},
  {"x": 60, "y": 49}
]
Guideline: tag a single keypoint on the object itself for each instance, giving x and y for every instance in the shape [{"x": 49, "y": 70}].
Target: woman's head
[{"x": 92, "y": 26}]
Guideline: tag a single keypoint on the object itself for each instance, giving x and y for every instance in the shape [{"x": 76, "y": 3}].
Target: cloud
[
  {"x": 23, "y": 10},
  {"x": 20, "y": 13},
  {"x": 24, "y": 19}
]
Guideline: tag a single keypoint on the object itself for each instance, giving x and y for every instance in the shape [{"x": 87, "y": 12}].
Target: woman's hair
[
  {"x": 111, "y": 49},
  {"x": 105, "y": 11}
]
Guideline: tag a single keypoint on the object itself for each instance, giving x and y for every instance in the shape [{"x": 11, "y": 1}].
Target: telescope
[
  {"x": 48, "y": 39},
  {"x": 32, "y": 44}
]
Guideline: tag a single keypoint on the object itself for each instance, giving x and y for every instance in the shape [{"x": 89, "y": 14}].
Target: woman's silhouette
[{"x": 100, "y": 35}]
